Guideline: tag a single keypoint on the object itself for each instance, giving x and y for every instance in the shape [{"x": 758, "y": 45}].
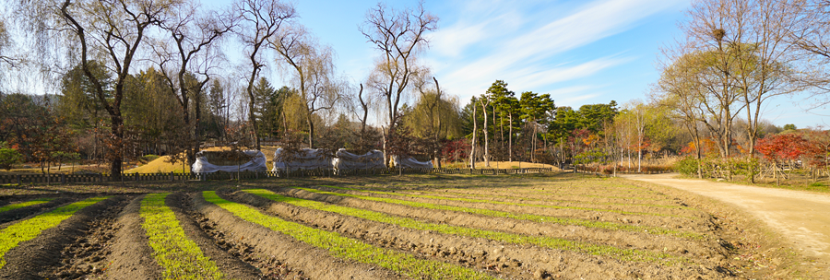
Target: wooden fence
[
  {"x": 138, "y": 177},
  {"x": 579, "y": 169}
]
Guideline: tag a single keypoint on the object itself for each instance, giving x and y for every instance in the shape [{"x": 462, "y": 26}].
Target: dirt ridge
[
  {"x": 231, "y": 266},
  {"x": 37, "y": 257},
  {"x": 510, "y": 260},
  {"x": 132, "y": 256},
  {"x": 635, "y": 240},
  {"x": 316, "y": 263}
]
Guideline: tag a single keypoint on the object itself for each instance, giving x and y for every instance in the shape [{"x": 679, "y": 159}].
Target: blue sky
[{"x": 581, "y": 52}]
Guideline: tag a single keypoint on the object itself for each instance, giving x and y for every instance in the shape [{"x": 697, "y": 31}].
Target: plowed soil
[{"x": 694, "y": 237}]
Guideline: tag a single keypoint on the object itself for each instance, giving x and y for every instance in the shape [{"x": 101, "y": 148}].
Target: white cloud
[{"x": 473, "y": 53}]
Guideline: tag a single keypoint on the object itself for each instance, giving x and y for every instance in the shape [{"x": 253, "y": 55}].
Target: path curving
[{"x": 801, "y": 217}]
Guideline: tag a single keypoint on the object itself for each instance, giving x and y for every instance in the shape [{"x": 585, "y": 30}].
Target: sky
[{"x": 580, "y": 52}]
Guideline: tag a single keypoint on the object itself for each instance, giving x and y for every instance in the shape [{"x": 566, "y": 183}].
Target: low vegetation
[
  {"x": 472, "y": 200},
  {"x": 179, "y": 256},
  {"x": 517, "y": 216},
  {"x": 24, "y": 204},
  {"x": 28, "y": 229},
  {"x": 347, "y": 248},
  {"x": 542, "y": 241}
]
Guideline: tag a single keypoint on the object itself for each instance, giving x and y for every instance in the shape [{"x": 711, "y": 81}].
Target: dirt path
[{"x": 801, "y": 217}]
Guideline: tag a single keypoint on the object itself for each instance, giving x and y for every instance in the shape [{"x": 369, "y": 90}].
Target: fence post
[
  {"x": 171, "y": 176},
  {"x": 63, "y": 178},
  {"x": 19, "y": 178}
]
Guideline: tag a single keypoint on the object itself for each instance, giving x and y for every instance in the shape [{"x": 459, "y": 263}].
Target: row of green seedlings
[
  {"x": 541, "y": 241},
  {"x": 519, "y": 216},
  {"x": 557, "y": 187},
  {"x": 489, "y": 194},
  {"x": 605, "y": 194},
  {"x": 19, "y": 205},
  {"x": 440, "y": 196},
  {"x": 29, "y": 229},
  {"x": 179, "y": 257},
  {"x": 348, "y": 248}
]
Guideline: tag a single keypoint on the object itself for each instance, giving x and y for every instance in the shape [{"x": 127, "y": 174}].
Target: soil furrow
[
  {"x": 622, "y": 239},
  {"x": 314, "y": 262},
  {"x": 87, "y": 256},
  {"x": 644, "y": 210},
  {"x": 132, "y": 257},
  {"x": 231, "y": 267},
  {"x": 519, "y": 261},
  {"x": 269, "y": 267},
  {"x": 582, "y": 201},
  {"x": 37, "y": 258},
  {"x": 666, "y": 222}
]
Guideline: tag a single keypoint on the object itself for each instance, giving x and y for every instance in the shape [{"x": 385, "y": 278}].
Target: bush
[
  {"x": 8, "y": 157},
  {"x": 687, "y": 166}
]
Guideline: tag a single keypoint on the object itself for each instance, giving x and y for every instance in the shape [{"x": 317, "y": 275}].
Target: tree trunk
[
  {"x": 197, "y": 134},
  {"x": 310, "y": 131},
  {"x": 473, "y": 145},
  {"x": 510, "y": 144},
  {"x": 118, "y": 132},
  {"x": 486, "y": 143}
]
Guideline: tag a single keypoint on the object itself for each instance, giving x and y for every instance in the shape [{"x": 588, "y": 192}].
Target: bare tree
[
  {"x": 484, "y": 101},
  {"x": 260, "y": 21},
  {"x": 193, "y": 35},
  {"x": 811, "y": 36},
  {"x": 473, "y": 144},
  {"x": 312, "y": 68},
  {"x": 115, "y": 29},
  {"x": 435, "y": 129},
  {"x": 399, "y": 36},
  {"x": 744, "y": 58},
  {"x": 679, "y": 92}
]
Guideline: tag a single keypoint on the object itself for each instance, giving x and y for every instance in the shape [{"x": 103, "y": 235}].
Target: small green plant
[
  {"x": 542, "y": 241},
  {"x": 25, "y": 204},
  {"x": 526, "y": 217},
  {"x": 347, "y": 248},
  {"x": 27, "y": 230},
  {"x": 179, "y": 256}
]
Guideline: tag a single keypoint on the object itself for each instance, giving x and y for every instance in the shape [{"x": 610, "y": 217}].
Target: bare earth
[{"x": 801, "y": 217}]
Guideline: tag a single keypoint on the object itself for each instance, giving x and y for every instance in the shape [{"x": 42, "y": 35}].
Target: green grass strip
[
  {"x": 508, "y": 203},
  {"x": 347, "y": 248},
  {"x": 517, "y": 216},
  {"x": 179, "y": 256},
  {"x": 542, "y": 241},
  {"x": 19, "y": 205},
  {"x": 28, "y": 229}
]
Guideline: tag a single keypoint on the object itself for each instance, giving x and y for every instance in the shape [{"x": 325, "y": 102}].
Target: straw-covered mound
[
  {"x": 229, "y": 161},
  {"x": 349, "y": 161}
]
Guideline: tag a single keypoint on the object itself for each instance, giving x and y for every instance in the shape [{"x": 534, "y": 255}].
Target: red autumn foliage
[
  {"x": 818, "y": 147},
  {"x": 782, "y": 147}
]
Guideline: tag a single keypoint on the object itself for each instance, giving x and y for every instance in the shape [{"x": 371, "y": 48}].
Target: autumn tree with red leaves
[{"x": 780, "y": 148}]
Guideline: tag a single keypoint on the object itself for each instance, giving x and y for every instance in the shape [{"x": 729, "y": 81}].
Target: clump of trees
[{"x": 137, "y": 77}]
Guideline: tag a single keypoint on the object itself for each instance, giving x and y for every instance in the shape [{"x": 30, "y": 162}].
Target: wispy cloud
[{"x": 521, "y": 43}]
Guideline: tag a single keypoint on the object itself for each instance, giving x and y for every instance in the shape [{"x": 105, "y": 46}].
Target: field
[{"x": 383, "y": 227}]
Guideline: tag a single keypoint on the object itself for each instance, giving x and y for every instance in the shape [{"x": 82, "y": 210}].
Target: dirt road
[{"x": 801, "y": 217}]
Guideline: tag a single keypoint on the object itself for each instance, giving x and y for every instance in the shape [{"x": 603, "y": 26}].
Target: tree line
[{"x": 135, "y": 77}]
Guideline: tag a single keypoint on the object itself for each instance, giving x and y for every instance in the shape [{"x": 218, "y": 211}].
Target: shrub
[
  {"x": 686, "y": 166},
  {"x": 8, "y": 157}
]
